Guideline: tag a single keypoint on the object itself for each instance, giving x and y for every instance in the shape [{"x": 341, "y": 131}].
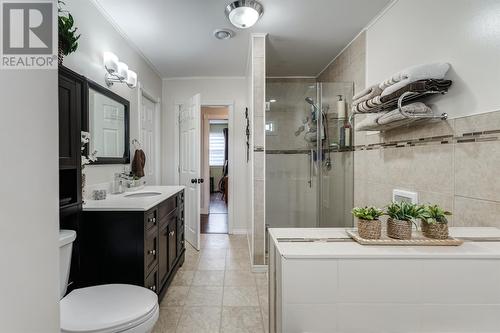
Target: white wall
[
  {"x": 212, "y": 90},
  {"x": 29, "y": 202},
  {"x": 97, "y": 36},
  {"x": 462, "y": 32}
]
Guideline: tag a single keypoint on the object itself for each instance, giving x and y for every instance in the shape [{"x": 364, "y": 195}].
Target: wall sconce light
[{"x": 118, "y": 71}]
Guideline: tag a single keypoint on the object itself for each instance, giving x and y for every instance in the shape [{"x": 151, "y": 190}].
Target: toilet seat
[{"x": 108, "y": 308}]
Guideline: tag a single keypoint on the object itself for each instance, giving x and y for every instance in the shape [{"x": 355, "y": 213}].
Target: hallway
[
  {"x": 216, "y": 221},
  {"x": 215, "y": 291}
]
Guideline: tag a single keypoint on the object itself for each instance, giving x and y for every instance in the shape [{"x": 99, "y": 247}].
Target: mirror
[{"x": 108, "y": 124}]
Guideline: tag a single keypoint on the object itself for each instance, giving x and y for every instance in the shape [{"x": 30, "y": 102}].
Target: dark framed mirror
[{"x": 107, "y": 119}]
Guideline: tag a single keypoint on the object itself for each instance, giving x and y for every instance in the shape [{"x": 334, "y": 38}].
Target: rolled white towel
[
  {"x": 369, "y": 123},
  {"x": 435, "y": 70},
  {"x": 366, "y": 94},
  {"x": 417, "y": 108}
]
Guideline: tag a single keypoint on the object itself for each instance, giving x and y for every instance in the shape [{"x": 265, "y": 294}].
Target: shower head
[{"x": 310, "y": 100}]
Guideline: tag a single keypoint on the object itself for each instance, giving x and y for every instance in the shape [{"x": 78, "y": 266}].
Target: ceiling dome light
[
  {"x": 223, "y": 33},
  {"x": 244, "y": 13}
]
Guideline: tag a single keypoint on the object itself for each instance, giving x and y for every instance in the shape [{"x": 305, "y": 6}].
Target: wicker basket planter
[
  {"x": 399, "y": 229},
  {"x": 435, "y": 230},
  {"x": 369, "y": 229}
]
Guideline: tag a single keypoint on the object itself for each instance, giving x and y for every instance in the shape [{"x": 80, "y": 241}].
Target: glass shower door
[{"x": 291, "y": 173}]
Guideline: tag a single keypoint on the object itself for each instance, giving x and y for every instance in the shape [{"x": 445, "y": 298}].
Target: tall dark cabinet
[{"x": 71, "y": 104}]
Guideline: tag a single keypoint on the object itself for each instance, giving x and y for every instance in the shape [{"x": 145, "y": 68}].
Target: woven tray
[{"x": 417, "y": 240}]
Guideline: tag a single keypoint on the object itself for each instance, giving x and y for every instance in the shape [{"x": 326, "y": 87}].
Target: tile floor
[{"x": 215, "y": 291}]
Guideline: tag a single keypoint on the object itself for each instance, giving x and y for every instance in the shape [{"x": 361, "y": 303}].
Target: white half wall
[
  {"x": 98, "y": 35},
  {"x": 29, "y": 196},
  {"x": 462, "y": 32},
  {"x": 213, "y": 91}
]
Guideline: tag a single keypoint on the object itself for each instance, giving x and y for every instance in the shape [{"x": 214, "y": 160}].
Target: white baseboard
[
  {"x": 259, "y": 268},
  {"x": 236, "y": 231}
]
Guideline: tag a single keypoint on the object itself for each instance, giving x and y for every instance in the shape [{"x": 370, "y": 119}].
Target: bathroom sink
[{"x": 142, "y": 194}]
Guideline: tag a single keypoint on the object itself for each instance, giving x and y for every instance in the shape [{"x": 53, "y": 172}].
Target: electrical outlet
[{"x": 402, "y": 195}]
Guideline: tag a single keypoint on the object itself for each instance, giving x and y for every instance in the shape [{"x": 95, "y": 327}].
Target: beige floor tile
[
  {"x": 261, "y": 279},
  {"x": 241, "y": 320},
  {"x": 240, "y": 296},
  {"x": 210, "y": 253},
  {"x": 168, "y": 319},
  {"x": 183, "y": 278},
  {"x": 209, "y": 278},
  {"x": 237, "y": 264},
  {"x": 239, "y": 278},
  {"x": 265, "y": 318},
  {"x": 199, "y": 320},
  {"x": 238, "y": 253},
  {"x": 190, "y": 264},
  {"x": 212, "y": 264},
  {"x": 204, "y": 296},
  {"x": 176, "y": 296}
]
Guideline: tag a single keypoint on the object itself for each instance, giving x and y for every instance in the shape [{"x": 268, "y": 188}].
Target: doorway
[{"x": 215, "y": 144}]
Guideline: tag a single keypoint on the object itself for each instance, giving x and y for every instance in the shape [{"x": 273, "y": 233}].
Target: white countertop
[
  {"x": 337, "y": 250},
  {"x": 120, "y": 202}
]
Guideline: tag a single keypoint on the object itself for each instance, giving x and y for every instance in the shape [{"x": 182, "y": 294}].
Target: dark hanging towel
[{"x": 226, "y": 150}]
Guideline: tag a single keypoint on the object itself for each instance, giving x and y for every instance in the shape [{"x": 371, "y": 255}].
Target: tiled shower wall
[
  {"x": 453, "y": 163},
  {"x": 258, "y": 73}
]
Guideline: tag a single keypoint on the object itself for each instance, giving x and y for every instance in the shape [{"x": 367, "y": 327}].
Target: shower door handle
[{"x": 311, "y": 167}]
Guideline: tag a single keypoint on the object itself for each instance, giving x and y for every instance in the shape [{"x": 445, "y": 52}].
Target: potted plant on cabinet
[
  {"x": 434, "y": 222},
  {"x": 68, "y": 39},
  {"x": 369, "y": 225},
  {"x": 402, "y": 216}
]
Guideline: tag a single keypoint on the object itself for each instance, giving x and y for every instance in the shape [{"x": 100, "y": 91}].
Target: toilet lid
[{"x": 106, "y": 308}]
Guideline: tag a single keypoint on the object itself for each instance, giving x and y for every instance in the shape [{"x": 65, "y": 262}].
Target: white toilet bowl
[{"x": 110, "y": 308}]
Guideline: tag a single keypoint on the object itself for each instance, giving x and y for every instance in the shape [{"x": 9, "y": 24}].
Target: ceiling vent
[{"x": 223, "y": 34}]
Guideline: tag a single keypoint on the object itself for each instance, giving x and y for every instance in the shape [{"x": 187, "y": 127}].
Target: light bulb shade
[
  {"x": 122, "y": 71},
  {"x": 110, "y": 62},
  {"x": 132, "y": 79},
  {"x": 244, "y": 13}
]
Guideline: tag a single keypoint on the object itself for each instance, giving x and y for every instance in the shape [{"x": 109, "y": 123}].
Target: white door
[
  {"x": 190, "y": 166},
  {"x": 148, "y": 139}
]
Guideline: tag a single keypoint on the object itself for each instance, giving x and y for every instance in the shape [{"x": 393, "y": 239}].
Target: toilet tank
[{"x": 66, "y": 239}]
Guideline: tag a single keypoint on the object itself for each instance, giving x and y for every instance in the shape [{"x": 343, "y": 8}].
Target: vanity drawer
[
  {"x": 151, "y": 281},
  {"x": 151, "y": 219},
  {"x": 167, "y": 207},
  {"x": 150, "y": 250}
]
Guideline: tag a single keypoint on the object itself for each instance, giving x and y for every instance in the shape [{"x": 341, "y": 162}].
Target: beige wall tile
[
  {"x": 477, "y": 170},
  {"x": 478, "y": 123},
  {"x": 476, "y": 213}
]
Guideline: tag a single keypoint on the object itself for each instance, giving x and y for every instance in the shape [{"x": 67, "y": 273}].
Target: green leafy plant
[
  {"x": 367, "y": 213},
  {"x": 68, "y": 39},
  {"x": 405, "y": 211},
  {"x": 433, "y": 214}
]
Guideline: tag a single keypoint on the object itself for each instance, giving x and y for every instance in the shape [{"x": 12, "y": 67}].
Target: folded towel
[
  {"x": 417, "y": 108},
  {"x": 138, "y": 163},
  {"x": 411, "y": 74},
  {"x": 368, "y": 105},
  {"x": 369, "y": 123},
  {"x": 366, "y": 94},
  {"x": 420, "y": 87}
]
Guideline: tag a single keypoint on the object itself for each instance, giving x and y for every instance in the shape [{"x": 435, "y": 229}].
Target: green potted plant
[
  {"x": 434, "y": 222},
  {"x": 402, "y": 216},
  {"x": 369, "y": 225},
  {"x": 68, "y": 39}
]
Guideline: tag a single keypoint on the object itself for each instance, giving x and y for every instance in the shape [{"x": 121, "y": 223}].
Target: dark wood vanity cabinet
[{"x": 141, "y": 248}]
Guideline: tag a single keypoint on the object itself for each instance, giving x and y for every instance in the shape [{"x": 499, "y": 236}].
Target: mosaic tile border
[{"x": 482, "y": 136}]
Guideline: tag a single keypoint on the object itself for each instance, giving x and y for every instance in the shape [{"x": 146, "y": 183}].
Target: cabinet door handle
[
  {"x": 171, "y": 233},
  {"x": 153, "y": 288},
  {"x": 152, "y": 220},
  {"x": 153, "y": 252}
]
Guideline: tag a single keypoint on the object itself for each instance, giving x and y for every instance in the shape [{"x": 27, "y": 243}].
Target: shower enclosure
[{"x": 309, "y": 157}]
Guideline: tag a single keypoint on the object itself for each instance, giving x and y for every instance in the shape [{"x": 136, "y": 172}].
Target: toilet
[{"x": 109, "y": 308}]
